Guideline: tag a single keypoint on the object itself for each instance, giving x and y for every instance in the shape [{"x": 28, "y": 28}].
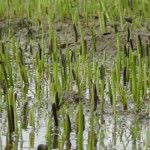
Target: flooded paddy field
[{"x": 74, "y": 76}]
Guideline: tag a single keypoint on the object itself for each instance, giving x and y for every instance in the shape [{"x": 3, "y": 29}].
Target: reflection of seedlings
[
  {"x": 25, "y": 115},
  {"x": 55, "y": 138},
  {"x": 11, "y": 118},
  {"x": 68, "y": 145},
  {"x": 20, "y": 55},
  {"x": 92, "y": 135},
  {"x": 134, "y": 129},
  {"x": 147, "y": 140},
  {"x": 31, "y": 139},
  {"x": 113, "y": 84},
  {"x": 42, "y": 147},
  {"x": 114, "y": 134},
  {"x": 54, "y": 110},
  {"x": 9, "y": 143},
  {"x": 80, "y": 125},
  {"x": 49, "y": 132}
]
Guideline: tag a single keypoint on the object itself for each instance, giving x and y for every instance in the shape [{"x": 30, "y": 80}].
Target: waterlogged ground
[{"x": 128, "y": 132}]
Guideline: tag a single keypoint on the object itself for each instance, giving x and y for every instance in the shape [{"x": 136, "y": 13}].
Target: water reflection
[
  {"x": 11, "y": 143},
  {"x": 136, "y": 136},
  {"x": 25, "y": 116},
  {"x": 102, "y": 136},
  {"x": 68, "y": 145},
  {"x": 55, "y": 138},
  {"x": 114, "y": 134},
  {"x": 31, "y": 139},
  {"x": 42, "y": 147}
]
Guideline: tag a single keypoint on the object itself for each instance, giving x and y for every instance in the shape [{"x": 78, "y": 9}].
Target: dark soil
[{"x": 24, "y": 28}]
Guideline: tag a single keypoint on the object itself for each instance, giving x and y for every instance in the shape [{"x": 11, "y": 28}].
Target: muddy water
[
  {"x": 128, "y": 132},
  {"x": 110, "y": 135}
]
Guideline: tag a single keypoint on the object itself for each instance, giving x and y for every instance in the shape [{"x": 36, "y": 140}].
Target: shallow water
[
  {"x": 128, "y": 132},
  {"x": 110, "y": 135}
]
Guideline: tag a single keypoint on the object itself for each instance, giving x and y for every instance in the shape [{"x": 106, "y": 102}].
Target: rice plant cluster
[{"x": 69, "y": 85}]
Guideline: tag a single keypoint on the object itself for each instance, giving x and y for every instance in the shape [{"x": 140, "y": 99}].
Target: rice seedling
[
  {"x": 80, "y": 126},
  {"x": 55, "y": 139},
  {"x": 6, "y": 67},
  {"x": 12, "y": 114},
  {"x": 93, "y": 39},
  {"x": 134, "y": 130},
  {"x": 97, "y": 52},
  {"x": 122, "y": 97},
  {"x": 102, "y": 21},
  {"x": 114, "y": 92},
  {"x": 67, "y": 127},
  {"x": 31, "y": 118},
  {"x": 75, "y": 33},
  {"x": 83, "y": 43},
  {"x": 102, "y": 78},
  {"x": 118, "y": 59},
  {"x": 91, "y": 133}
]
